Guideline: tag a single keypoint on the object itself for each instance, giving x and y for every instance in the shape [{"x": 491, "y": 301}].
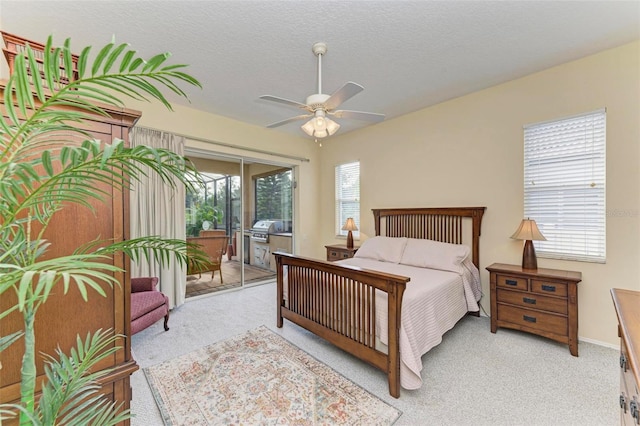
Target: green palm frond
[
  {"x": 47, "y": 162},
  {"x": 70, "y": 378},
  {"x": 151, "y": 248},
  {"x": 6, "y": 341},
  {"x": 34, "y": 282},
  {"x": 82, "y": 167}
]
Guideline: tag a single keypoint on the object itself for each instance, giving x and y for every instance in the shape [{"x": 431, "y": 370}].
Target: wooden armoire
[{"x": 65, "y": 316}]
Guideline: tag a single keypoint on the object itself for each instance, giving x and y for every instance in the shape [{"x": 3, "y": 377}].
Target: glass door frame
[{"x": 242, "y": 161}]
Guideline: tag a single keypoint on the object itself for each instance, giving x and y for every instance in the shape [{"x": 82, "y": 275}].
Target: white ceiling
[{"x": 407, "y": 54}]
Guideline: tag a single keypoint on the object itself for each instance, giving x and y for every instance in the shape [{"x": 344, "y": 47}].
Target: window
[
  {"x": 206, "y": 208},
  {"x": 273, "y": 196},
  {"x": 564, "y": 186},
  {"x": 347, "y": 196}
]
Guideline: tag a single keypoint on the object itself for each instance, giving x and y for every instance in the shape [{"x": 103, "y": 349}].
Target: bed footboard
[{"x": 338, "y": 303}]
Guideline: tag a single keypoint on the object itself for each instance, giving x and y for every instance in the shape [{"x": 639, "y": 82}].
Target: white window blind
[
  {"x": 564, "y": 186},
  {"x": 347, "y": 196}
]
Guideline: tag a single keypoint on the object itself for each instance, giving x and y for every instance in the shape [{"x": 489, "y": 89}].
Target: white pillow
[
  {"x": 435, "y": 255},
  {"x": 385, "y": 249}
]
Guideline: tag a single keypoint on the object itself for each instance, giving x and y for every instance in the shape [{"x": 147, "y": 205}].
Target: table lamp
[
  {"x": 529, "y": 231},
  {"x": 350, "y": 225}
]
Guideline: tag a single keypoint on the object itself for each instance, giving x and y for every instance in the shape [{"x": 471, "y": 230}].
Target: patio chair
[
  {"x": 214, "y": 248},
  {"x": 214, "y": 233}
]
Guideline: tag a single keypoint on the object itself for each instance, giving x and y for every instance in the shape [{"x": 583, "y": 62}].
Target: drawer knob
[
  {"x": 528, "y": 318},
  {"x": 635, "y": 410},
  {"x": 623, "y": 362},
  {"x": 623, "y": 402},
  {"x": 549, "y": 287},
  {"x": 511, "y": 282},
  {"x": 529, "y": 300}
]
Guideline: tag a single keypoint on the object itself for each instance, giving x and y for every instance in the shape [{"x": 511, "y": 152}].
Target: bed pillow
[
  {"x": 435, "y": 255},
  {"x": 385, "y": 249}
]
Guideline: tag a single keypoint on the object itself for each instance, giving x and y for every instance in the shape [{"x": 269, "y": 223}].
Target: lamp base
[
  {"x": 529, "y": 260},
  {"x": 350, "y": 240}
]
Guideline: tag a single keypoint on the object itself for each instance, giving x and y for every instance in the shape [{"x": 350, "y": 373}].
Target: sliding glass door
[{"x": 239, "y": 195}]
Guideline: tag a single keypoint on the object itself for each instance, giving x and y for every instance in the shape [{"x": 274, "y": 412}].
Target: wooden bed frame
[{"x": 337, "y": 302}]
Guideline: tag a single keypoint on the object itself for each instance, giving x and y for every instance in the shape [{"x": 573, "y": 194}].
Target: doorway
[{"x": 238, "y": 194}]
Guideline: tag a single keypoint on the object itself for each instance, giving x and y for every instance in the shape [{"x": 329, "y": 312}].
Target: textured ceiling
[{"x": 407, "y": 54}]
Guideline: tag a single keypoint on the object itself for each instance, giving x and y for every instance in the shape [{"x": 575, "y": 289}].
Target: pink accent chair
[{"x": 148, "y": 304}]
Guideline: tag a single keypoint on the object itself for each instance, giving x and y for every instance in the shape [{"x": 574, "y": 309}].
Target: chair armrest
[{"x": 143, "y": 284}]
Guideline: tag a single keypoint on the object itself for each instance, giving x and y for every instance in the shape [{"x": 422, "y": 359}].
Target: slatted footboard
[{"x": 338, "y": 303}]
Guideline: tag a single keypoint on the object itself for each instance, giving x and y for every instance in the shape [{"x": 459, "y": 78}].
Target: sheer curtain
[{"x": 157, "y": 209}]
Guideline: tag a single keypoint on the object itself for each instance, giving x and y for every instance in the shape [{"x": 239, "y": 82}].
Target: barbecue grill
[{"x": 262, "y": 228}]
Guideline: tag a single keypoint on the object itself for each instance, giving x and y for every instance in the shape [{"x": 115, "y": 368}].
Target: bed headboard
[{"x": 443, "y": 224}]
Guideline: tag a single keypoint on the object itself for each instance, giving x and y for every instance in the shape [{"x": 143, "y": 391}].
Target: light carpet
[{"x": 260, "y": 378}]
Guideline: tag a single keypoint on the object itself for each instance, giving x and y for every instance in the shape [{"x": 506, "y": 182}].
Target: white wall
[{"x": 469, "y": 152}]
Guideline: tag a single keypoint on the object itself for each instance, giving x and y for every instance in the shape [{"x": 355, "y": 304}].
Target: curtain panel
[{"x": 159, "y": 210}]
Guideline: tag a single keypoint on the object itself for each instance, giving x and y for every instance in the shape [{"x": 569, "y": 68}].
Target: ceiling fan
[{"x": 320, "y": 107}]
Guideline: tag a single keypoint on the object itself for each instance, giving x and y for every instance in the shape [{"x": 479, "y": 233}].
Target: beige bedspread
[{"x": 434, "y": 301}]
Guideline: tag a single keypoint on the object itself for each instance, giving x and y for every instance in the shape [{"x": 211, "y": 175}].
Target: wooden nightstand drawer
[
  {"x": 540, "y": 301},
  {"x": 512, "y": 282},
  {"x": 532, "y": 301},
  {"x": 339, "y": 252},
  {"x": 549, "y": 287},
  {"x": 333, "y": 255},
  {"x": 555, "y": 324}
]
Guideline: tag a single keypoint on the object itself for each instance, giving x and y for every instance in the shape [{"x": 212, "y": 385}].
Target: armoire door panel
[{"x": 65, "y": 316}]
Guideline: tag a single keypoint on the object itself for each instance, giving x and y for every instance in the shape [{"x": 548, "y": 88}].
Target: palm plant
[{"x": 42, "y": 169}]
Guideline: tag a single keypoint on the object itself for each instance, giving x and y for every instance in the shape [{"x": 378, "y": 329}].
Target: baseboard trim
[
  {"x": 580, "y": 338},
  {"x": 599, "y": 343},
  {"x": 483, "y": 313}
]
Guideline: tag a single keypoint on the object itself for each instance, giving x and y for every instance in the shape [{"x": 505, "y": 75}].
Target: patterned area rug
[{"x": 260, "y": 378}]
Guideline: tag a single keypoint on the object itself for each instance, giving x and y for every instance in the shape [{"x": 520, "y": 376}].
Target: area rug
[{"x": 260, "y": 378}]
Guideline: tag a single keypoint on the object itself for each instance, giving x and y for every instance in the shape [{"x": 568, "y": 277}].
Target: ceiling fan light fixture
[
  {"x": 319, "y": 123},
  {"x": 308, "y": 127},
  {"x": 318, "y": 105},
  {"x": 320, "y": 126},
  {"x": 321, "y": 134},
  {"x": 332, "y": 126}
]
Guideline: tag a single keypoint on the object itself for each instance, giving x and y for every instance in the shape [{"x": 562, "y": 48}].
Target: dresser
[
  {"x": 339, "y": 252},
  {"x": 541, "y": 301},
  {"x": 627, "y": 305}
]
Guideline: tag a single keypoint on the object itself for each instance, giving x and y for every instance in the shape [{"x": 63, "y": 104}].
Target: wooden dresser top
[
  {"x": 627, "y": 303},
  {"x": 557, "y": 274}
]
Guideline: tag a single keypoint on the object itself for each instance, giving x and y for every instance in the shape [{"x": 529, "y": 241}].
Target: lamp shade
[
  {"x": 332, "y": 126},
  {"x": 350, "y": 225},
  {"x": 528, "y": 230},
  {"x": 308, "y": 127},
  {"x": 320, "y": 126}
]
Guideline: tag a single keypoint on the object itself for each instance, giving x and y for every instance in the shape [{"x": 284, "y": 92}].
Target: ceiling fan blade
[
  {"x": 359, "y": 115},
  {"x": 347, "y": 91},
  {"x": 284, "y": 101},
  {"x": 289, "y": 120}
]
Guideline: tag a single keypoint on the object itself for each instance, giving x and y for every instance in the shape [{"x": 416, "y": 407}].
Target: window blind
[
  {"x": 347, "y": 196},
  {"x": 564, "y": 186}
]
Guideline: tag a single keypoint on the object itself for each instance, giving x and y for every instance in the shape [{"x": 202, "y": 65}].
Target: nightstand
[
  {"x": 339, "y": 252},
  {"x": 539, "y": 301}
]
